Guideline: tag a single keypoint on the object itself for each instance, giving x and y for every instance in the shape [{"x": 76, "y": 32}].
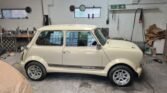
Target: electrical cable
[
  {"x": 141, "y": 20},
  {"x": 134, "y": 22},
  {"x": 143, "y": 31}
]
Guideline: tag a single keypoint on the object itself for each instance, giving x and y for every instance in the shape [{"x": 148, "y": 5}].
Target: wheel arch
[
  {"x": 32, "y": 61},
  {"x": 123, "y": 62},
  {"x": 36, "y": 59},
  {"x": 43, "y": 71}
]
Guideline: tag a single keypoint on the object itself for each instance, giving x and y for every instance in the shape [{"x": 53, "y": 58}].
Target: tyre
[
  {"x": 121, "y": 75},
  {"x": 36, "y": 71}
]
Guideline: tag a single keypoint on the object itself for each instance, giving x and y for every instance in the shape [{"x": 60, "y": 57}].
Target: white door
[
  {"x": 49, "y": 46},
  {"x": 80, "y": 50}
]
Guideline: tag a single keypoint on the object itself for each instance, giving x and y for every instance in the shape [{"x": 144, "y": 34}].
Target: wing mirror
[
  {"x": 94, "y": 43},
  {"x": 98, "y": 46}
]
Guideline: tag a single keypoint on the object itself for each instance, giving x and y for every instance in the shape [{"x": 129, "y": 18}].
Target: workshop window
[
  {"x": 14, "y": 14},
  {"x": 54, "y": 38},
  {"x": 80, "y": 39},
  {"x": 88, "y": 13}
]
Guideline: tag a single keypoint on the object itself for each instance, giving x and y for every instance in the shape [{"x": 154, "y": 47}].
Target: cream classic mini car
[{"x": 81, "y": 49}]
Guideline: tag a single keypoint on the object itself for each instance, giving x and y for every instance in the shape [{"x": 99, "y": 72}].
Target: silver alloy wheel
[
  {"x": 121, "y": 77},
  {"x": 34, "y": 72}
]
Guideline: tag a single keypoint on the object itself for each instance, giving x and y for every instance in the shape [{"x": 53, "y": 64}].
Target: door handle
[{"x": 66, "y": 52}]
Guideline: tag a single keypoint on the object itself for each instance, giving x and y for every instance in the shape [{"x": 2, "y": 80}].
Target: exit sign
[{"x": 119, "y": 6}]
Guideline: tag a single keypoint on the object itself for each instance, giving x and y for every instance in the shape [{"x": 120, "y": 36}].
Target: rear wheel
[
  {"x": 121, "y": 75},
  {"x": 36, "y": 71}
]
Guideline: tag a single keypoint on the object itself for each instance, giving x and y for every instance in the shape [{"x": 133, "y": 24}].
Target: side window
[
  {"x": 81, "y": 38},
  {"x": 52, "y": 38}
]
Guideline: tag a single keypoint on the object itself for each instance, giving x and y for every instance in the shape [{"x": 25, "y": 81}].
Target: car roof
[{"x": 81, "y": 27}]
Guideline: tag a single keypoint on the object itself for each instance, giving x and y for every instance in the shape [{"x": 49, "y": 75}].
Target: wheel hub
[
  {"x": 121, "y": 77},
  {"x": 34, "y": 72}
]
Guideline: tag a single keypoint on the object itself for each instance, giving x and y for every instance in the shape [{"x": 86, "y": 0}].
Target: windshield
[{"x": 100, "y": 36}]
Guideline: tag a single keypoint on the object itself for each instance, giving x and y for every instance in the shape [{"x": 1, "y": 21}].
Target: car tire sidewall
[
  {"x": 44, "y": 73},
  {"x": 111, "y": 72}
]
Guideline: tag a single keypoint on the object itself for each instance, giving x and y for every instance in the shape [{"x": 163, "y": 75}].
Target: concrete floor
[{"x": 153, "y": 80}]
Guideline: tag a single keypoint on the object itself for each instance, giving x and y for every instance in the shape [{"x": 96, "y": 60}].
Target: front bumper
[
  {"x": 22, "y": 64},
  {"x": 139, "y": 71}
]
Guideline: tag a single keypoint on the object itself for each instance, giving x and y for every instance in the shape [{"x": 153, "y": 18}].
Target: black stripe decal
[{"x": 72, "y": 66}]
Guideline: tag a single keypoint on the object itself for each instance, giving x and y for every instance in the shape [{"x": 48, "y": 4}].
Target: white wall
[
  {"x": 59, "y": 12},
  {"x": 34, "y": 20},
  {"x": 130, "y": 1},
  {"x": 126, "y": 18}
]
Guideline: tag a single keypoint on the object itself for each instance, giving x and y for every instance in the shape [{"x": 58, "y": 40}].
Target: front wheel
[
  {"x": 121, "y": 75},
  {"x": 36, "y": 71}
]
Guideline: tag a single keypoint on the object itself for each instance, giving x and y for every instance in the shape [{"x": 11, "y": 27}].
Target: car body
[{"x": 81, "y": 49}]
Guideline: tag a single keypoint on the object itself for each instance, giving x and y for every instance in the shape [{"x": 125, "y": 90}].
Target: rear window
[{"x": 50, "y": 38}]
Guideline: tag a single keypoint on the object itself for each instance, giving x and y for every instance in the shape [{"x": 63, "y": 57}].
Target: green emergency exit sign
[{"x": 119, "y": 6}]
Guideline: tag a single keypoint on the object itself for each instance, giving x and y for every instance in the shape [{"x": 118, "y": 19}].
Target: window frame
[
  {"x": 89, "y": 8},
  {"x": 3, "y": 17},
  {"x": 79, "y": 31},
  {"x": 51, "y": 45},
  {"x": 101, "y": 42}
]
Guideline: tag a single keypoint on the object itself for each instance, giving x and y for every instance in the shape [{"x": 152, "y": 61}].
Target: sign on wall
[{"x": 118, "y": 6}]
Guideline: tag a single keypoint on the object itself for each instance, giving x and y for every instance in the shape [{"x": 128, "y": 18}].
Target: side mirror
[
  {"x": 98, "y": 46},
  {"x": 94, "y": 43}
]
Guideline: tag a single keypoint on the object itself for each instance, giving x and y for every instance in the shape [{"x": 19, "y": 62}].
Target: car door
[
  {"x": 49, "y": 46},
  {"x": 80, "y": 50}
]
